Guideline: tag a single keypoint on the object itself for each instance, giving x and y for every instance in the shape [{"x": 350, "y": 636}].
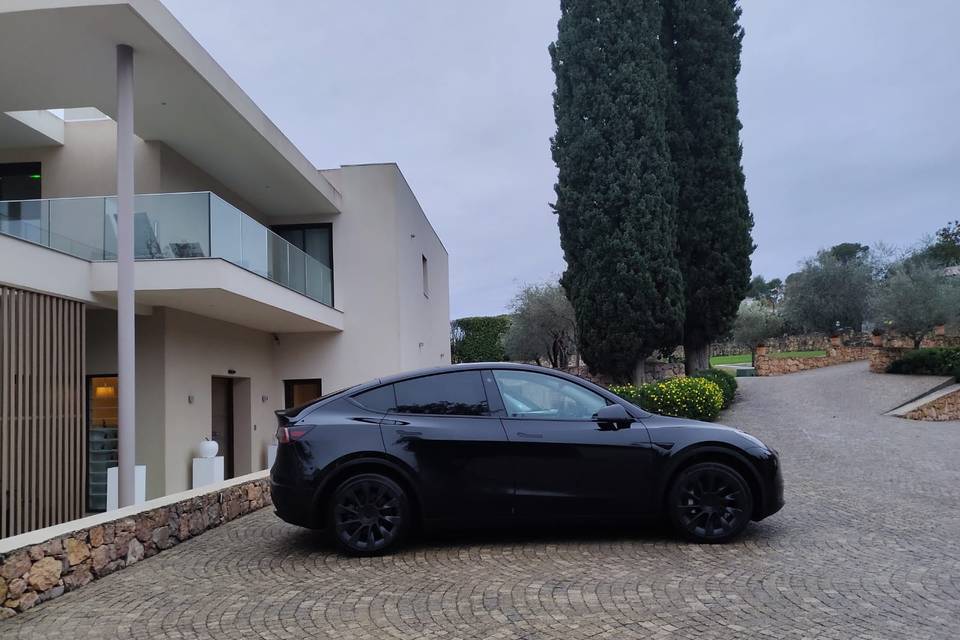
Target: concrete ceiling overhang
[{"x": 62, "y": 53}]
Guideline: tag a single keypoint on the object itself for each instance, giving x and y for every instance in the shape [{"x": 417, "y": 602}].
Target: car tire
[
  {"x": 368, "y": 514},
  {"x": 709, "y": 502}
]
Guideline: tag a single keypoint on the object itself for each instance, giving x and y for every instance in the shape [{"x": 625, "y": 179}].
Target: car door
[
  {"x": 567, "y": 463},
  {"x": 440, "y": 426}
]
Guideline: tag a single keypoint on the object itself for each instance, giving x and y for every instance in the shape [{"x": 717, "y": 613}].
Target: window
[
  {"x": 452, "y": 394},
  {"x": 297, "y": 393},
  {"x": 20, "y": 181},
  {"x": 426, "y": 275},
  {"x": 381, "y": 399},
  {"x": 537, "y": 395},
  {"x": 101, "y": 437}
]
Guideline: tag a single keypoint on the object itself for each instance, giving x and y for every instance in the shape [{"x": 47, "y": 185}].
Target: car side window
[
  {"x": 381, "y": 399},
  {"x": 527, "y": 394},
  {"x": 459, "y": 393}
]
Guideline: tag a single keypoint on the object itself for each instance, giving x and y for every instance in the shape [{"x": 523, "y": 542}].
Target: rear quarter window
[{"x": 381, "y": 399}]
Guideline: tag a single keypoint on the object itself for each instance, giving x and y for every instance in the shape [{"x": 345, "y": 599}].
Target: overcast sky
[{"x": 850, "y": 111}]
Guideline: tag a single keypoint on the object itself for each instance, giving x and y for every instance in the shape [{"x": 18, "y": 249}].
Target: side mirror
[{"x": 613, "y": 416}]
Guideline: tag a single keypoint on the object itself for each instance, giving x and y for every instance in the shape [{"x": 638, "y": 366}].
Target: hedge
[
  {"x": 726, "y": 382},
  {"x": 938, "y": 361},
  {"x": 694, "y": 398},
  {"x": 478, "y": 339}
]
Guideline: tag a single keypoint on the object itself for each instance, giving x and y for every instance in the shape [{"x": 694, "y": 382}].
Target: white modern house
[{"x": 260, "y": 281}]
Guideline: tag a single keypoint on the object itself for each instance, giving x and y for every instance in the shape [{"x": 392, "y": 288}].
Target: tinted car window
[
  {"x": 453, "y": 394},
  {"x": 536, "y": 395},
  {"x": 381, "y": 399}
]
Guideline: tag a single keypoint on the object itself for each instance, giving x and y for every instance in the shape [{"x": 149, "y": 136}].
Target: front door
[
  {"x": 441, "y": 427},
  {"x": 568, "y": 464},
  {"x": 222, "y": 421}
]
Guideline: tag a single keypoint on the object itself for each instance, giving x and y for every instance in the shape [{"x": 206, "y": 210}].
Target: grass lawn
[
  {"x": 799, "y": 354},
  {"x": 740, "y": 358},
  {"x": 744, "y": 358}
]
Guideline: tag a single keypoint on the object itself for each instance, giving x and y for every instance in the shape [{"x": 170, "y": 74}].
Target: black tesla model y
[{"x": 488, "y": 444}]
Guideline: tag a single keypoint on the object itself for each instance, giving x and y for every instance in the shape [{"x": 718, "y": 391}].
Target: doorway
[{"x": 222, "y": 424}]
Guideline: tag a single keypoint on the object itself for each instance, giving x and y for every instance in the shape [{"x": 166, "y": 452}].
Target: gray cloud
[{"x": 849, "y": 110}]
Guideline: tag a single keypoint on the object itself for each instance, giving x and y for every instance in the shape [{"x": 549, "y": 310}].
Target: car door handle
[
  {"x": 404, "y": 432},
  {"x": 521, "y": 434}
]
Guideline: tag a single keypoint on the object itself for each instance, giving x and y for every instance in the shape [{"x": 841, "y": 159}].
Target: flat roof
[{"x": 62, "y": 54}]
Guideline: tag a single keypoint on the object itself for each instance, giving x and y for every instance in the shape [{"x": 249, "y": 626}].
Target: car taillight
[{"x": 286, "y": 435}]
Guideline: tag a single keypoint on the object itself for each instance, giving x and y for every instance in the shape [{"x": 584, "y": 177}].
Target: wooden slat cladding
[{"x": 42, "y": 409}]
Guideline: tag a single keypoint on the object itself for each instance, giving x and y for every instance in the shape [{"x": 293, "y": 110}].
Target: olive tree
[
  {"x": 829, "y": 292},
  {"x": 544, "y": 326},
  {"x": 755, "y": 323},
  {"x": 915, "y": 297}
]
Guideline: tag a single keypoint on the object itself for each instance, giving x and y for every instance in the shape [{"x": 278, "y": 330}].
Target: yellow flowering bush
[{"x": 695, "y": 398}]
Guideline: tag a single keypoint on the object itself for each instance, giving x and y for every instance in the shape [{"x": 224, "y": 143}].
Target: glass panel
[
  {"x": 380, "y": 399},
  {"x": 278, "y": 256},
  {"x": 226, "y": 234},
  {"x": 76, "y": 227},
  {"x": 298, "y": 270},
  {"x": 293, "y": 236},
  {"x": 319, "y": 281},
  {"x": 537, "y": 395},
  {"x": 171, "y": 225},
  {"x": 456, "y": 394},
  {"x": 101, "y": 438},
  {"x": 26, "y": 219},
  {"x": 254, "y": 246},
  {"x": 165, "y": 225}
]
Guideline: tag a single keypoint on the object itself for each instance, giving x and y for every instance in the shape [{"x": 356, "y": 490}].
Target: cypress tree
[
  {"x": 702, "y": 43},
  {"x": 615, "y": 192}
]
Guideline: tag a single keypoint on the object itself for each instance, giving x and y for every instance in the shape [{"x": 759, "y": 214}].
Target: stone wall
[
  {"x": 48, "y": 568},
  {"x": 881, "y": 357},
  {"x": 943, "y": 408},
  {"x": 768, "y": 365},
  {"x": 654, "y": 371}
]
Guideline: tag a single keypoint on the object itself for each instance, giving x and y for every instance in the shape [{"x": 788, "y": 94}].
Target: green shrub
[
  {"x": 933, "y": 362},
  {"x": 726, "y": 382},
  {"x": 695, "y": 398}
]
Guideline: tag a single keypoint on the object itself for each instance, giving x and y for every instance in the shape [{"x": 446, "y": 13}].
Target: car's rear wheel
[
  {"x": 369, "y": 514},
  {"x": 709, "y": 502}
]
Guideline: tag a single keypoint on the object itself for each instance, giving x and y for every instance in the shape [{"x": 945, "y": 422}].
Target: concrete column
[{"x": 126, "y": 361}]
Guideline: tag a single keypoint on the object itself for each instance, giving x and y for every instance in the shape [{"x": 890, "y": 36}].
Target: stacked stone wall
[{"x": 50, "y": 568}]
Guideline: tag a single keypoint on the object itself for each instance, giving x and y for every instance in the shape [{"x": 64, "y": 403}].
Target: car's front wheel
[
  {"x": 368, "y": 514},
  {"x": 709, "y": 502}
]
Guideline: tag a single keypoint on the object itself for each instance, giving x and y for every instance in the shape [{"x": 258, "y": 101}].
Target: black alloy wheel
[
  {"x": 369, "y": 514},
  {"x": 710, "y": 502}
]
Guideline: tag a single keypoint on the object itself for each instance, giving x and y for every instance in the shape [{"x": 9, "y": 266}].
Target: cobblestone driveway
[{"x": 868, "y": 546}]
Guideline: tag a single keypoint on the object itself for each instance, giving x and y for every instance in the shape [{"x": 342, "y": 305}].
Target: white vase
[{"x": 207, "y": 449}]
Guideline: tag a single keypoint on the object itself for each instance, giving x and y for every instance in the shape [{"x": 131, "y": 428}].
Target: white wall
[
  {"x": 378, "y": 285},
  {"x": 150, "y": 372},
  {"x": 195, "y": 350},
  {"x": 86, "y": 166}
]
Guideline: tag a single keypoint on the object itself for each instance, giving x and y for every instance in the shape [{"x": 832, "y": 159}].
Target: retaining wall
[{"x": 47, "y": 563}]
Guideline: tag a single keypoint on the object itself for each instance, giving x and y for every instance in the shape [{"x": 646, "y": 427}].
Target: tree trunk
[
  {"x": 697, "y": 357},
  {"x": 640, "y": 373}
]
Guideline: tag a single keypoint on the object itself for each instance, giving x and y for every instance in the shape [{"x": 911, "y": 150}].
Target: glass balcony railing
[{"x": 168, "y": 226}]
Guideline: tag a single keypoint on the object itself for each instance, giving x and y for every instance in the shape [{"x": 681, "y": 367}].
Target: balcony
[{"x": 168, "y": 226}]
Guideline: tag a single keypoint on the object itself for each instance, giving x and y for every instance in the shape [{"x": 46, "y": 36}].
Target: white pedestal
[
  {"x": 140, "y": 486},
  {"x": 271, "y": 455},
  {"x": 207, "y": 471}
]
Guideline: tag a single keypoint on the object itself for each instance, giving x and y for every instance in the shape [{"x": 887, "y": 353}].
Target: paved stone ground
[{"x": 868, "y": 546}]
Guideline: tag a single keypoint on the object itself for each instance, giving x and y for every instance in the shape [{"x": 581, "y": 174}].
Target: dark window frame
[
  {"x": 288, "y": 391},
  {"x": 88, "y": 379}
]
